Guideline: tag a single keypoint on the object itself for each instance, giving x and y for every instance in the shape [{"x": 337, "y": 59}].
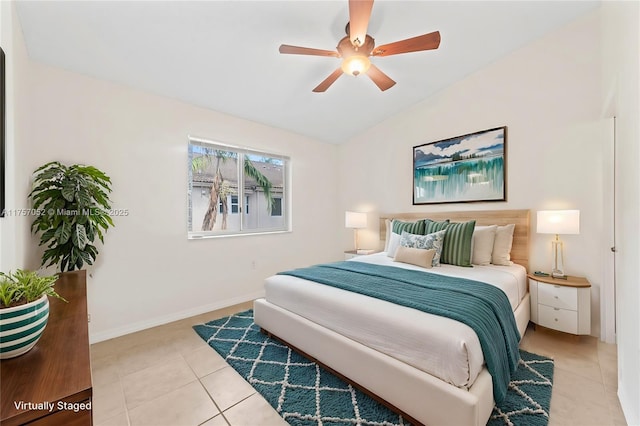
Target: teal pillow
[
  {"x": 431, "y": 226},
  {"x": 411, "y": 227},
  {"x": 457, "y": 244},
  {"x": 426, "y": 242}
]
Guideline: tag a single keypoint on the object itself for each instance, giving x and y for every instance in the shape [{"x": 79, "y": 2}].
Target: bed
[{"x": 431, "y": 376}]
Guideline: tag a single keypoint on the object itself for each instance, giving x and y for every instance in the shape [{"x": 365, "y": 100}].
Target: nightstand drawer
[
  {"x": 558, "y": 296},
  {"x": 558, "y": 319}
]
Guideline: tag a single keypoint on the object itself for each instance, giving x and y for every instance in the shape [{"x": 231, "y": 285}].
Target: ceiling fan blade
[
  {"x": 328, "y": 81},
  {"x": 424, "y": 42},
  {"x": 381, "y": 80},
  {"x": 296, "y": 50},
  {"x": 359, "y": 14}
]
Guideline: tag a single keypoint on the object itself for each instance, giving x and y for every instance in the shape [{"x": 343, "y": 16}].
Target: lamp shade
[
  {"x": 355, "y": 220},
  {"x": 558, "y": 222}
]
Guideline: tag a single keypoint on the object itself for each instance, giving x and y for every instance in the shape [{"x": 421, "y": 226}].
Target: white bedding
[
  {"x": 510, "y": 279},
  {"x": 439, "y": 346}
]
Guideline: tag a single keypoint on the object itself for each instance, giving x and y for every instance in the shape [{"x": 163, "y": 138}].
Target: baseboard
[
  {"x": 629, "y": 408},
  {"x": 175, "y": 316}
]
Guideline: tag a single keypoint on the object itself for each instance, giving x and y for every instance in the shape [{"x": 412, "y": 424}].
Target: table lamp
[
  {"x": 355, "y": 220},
  {"x": 558, "y": 222}
]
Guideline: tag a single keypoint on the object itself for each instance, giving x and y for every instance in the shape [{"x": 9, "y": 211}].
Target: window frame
[{"x": 240, "y": 151}]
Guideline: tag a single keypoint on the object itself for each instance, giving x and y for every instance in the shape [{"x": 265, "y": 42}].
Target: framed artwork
[
  {"x": 467, "y": 168},
  {"x": 2, "y": 132}
]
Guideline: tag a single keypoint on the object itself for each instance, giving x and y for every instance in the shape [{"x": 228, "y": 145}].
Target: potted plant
[
  {"x": 24, "y": 310},
  {"x": 72, "y": 210}
]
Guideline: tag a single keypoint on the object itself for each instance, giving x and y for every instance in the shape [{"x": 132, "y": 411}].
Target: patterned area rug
[{"x": 305, "y": 394}]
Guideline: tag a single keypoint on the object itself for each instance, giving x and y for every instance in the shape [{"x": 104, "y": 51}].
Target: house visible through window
[{"x": 227, "y": 180}]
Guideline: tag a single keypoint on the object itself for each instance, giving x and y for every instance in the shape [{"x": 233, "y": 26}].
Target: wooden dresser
[{"x": 57, "y": 371}]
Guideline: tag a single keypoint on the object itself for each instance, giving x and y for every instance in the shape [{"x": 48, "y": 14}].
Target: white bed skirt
[{"x": 426, "y": 398}]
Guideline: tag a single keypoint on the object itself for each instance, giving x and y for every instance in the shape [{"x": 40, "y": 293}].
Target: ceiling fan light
[{"x": 355, "y": 65}]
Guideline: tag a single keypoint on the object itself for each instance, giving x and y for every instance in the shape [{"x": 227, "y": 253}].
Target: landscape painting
[
  {"x": 3, "y": 100},
  {"x": 461, "y": 169}
]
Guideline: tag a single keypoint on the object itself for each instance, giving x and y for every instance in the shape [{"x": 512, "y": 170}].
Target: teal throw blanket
[{"x": 483, "y": 307}]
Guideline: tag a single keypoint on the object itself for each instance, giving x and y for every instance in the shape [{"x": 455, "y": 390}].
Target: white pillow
[
  {"x": 482, "y": 244},
  {"x": 394, "y": 242},
  {"x": 387, "y": 225},
  {"x": 415, "y": 256},
  {"x": 502, "y": 245}
]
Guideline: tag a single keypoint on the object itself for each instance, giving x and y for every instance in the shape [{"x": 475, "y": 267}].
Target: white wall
[
  {"x": 621, "y": 74},
  {"x": 547, "y": 93},
  {"x": 148, "y": 272}
]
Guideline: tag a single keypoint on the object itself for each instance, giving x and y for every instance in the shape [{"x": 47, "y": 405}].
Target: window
[
  {"x": 233, "y": 204},
  {"x": 277, "y": 207},
  {"x": 223, "y": 182}
]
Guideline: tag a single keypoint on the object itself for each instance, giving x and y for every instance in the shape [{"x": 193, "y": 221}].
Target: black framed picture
[
  {"x": 461, "y": 169},
  {"x": 2, "y": 131}
]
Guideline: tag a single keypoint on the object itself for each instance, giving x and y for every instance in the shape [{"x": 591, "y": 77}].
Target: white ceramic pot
[{"x": 21, "y": 327}]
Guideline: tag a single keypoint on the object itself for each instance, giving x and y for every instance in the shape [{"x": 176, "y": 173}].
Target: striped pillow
[
  {"x": 431, "y": 226},
  {"x": 457, "y": 244},
  {"x": 411, "y": 227}
]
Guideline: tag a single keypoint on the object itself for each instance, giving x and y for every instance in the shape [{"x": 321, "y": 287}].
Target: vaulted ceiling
[{"x": 223, "y": 55}]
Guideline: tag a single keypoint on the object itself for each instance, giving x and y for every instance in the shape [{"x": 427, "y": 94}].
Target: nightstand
[
  {"x": 350, "y": 254},
  {"x": 563, "y": 305}
]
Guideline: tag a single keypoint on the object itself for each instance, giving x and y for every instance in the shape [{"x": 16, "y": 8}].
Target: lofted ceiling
[{"x": 223, "y": 55}]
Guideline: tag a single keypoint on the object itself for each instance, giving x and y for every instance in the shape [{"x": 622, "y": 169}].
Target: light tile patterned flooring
[{"x": 168, "y": 375}]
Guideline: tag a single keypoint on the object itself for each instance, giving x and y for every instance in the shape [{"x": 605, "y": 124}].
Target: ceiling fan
[{"x": 356, "y": 48}]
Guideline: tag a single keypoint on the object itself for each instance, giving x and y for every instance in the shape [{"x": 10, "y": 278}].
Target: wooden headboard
[{"x": 520, "y": 247}]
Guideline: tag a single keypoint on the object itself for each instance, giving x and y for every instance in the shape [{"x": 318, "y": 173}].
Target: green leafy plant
[
  {"x": 72, "y": 210},
  {"x": 9, "y": 292},
  {"x": 23, "y": 286}
]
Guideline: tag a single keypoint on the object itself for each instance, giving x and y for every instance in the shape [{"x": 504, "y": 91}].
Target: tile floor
[{"x": 168, "y": 375}]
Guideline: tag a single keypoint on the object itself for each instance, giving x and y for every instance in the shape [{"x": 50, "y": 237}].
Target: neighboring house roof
[{"x": 228, "y": 168}]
